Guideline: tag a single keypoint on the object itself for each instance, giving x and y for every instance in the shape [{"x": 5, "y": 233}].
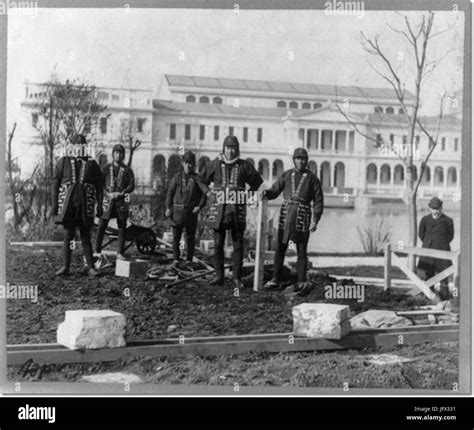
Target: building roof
[
  {"x": 292, "y": 88},
  {"x": 178, "y": 108},
  {"x": 398, "y": 120},
  {"x": 218, "y": 109}
]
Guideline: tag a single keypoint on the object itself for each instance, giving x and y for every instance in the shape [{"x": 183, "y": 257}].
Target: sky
[{"x": 134, "y": 48}]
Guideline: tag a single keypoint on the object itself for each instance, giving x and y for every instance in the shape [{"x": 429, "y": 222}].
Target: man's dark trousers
[
  {"x": 237, "y": 255},
  {"x": 301, "y": 264}
]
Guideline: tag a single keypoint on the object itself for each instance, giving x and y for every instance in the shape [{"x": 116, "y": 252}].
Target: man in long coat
[
  {"x": 119, "y": 182},
  {"x": 300, "y": 187},
  {"x": 184, "y": 201},
  {"x": 436, "y": 231},
  {"x": 230, "y": 174},
  {"x": 77, "y": 186}
]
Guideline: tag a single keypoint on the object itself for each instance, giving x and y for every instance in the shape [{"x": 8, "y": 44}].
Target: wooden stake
[
  {"x": 260, "y": 244},
  {"x": 387, "y": 266}
]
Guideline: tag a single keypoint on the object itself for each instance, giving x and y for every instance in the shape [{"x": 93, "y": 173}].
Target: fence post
[
  {"x": 387, "y": 265},
  {"x": 456, "y": 293},
  {"x": 260, "y": 244}
]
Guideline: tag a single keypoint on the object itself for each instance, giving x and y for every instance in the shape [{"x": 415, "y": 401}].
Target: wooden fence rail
[{"x": 424, "y": 285}]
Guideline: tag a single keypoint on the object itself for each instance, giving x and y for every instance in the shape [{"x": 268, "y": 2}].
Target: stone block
[
  {"x": 321, "y": 320},
  {"x": 378, "y": 319},
  {"x": 131, "y": 268},
  {"x": 92, "y": 329}
]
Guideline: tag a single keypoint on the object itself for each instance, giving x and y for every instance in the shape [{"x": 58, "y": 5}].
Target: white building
[{"x": 270, "y": 119}]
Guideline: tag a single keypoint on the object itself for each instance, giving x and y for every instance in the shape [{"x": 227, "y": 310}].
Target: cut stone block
[
  {"x": 131, "y": 269},
  {"x": 92, "y": 329},
  {"x": 378, "y": 319},
  {"x": 321, "y": 320}
]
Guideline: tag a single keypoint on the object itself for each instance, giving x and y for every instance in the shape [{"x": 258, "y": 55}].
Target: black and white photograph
[{"x": 238, "y": 199}]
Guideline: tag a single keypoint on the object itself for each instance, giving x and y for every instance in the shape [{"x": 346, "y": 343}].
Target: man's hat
[
  {"x": 435, "y": 203},
  {"x": 300, "y": 153},
  {"x": 118, "y": 148},
  {"x": 189, "y": 157},
  {"x": 78, "y": 139},
  {"x": 231, "y": 141}
]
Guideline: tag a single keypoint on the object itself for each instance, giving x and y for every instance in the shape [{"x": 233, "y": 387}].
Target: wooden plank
[
  {"x": 425, "y": 252},
  {"x": 440, "y": 276},
  {"x": 416, "y": 280},
  {"x": 422, "y": 312},
  {"x": 355, "y": 340},
  {"x": 232, "y": 347},
  {"x": 387, "y": 266},
  {"x": 260, "y": 245}
]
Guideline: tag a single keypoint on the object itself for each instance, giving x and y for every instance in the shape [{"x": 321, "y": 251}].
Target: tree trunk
[{"x": 412, "y": 215}]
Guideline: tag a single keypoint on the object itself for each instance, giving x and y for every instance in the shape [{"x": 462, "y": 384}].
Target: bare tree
[
  {"x": 65, "y": 108},
  {"x": 418, "y": 35},
  {"x": 23, "y": 192}
]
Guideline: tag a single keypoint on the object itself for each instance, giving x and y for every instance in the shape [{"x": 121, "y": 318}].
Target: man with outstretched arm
[{"x": 300, "y": 187}]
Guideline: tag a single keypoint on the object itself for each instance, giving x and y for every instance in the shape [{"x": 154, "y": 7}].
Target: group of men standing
[{"x": 79, "y": 184}]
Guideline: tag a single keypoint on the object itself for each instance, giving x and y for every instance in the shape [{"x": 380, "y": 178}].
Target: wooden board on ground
[{"x": 283, "y": 342}]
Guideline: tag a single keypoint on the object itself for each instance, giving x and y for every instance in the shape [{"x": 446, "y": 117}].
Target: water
[{"x": 337, "y": 229}]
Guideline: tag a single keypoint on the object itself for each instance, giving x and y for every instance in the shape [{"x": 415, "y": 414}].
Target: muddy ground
[{"x": 197, "y": 309}]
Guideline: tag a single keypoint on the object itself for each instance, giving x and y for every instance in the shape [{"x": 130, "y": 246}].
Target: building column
[
  {"x": 379, "y": 174},
  {"x": 318, "y": 141},
  {"x": 445, "y": 178}
]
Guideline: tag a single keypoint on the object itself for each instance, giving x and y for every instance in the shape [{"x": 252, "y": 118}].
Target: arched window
[
  {"x": 203, "y": 99},
  {"x": 325, "y": 175},
  {"x": 390, "y": 110},
  {"x": 400, "y": 111},
  {"x": 250, "y": 160},
  {"x": 317, "y": 105},
  {"x": 102, "y": 160},
  {"x": 371, "y": 173},
  {"x": 306, "y": 105},
  {"x": 378, "y": 109},
  {"x": 313, "y": 167},
  {"x": 190, "y": 99},
  {"x": 293, "y": 105},
  {"x": 438, "y": 175},
  {"x": 426, "y": 175},
  {"x": 159, "y": 171},
  {"x": 385, "y": 174},
  {"x": 339, "y": 175},
  {"x": 217, "y": 100},
  {"x": 264, "y": 168},
  {"x": 398, "y": 174},
  {"x": 277, "y": 168},
  {"x": 452, "y": 176},
  {"x": 203, "y": 162},
  {"x": 281, "y": 104}
]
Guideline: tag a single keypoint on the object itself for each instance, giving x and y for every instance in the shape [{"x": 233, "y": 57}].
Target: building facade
[{"x": 356, "y": 155}]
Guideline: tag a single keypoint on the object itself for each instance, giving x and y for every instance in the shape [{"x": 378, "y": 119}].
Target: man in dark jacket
[
  {"x": 300, "y": 187},
  {"x": 230, "y": 174},
  {"x": 77, "y": 185},
  {"x": 184, "y": 200},
  {"x": 436, "y": 231},
  {"x": 119, "y": 182}
]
